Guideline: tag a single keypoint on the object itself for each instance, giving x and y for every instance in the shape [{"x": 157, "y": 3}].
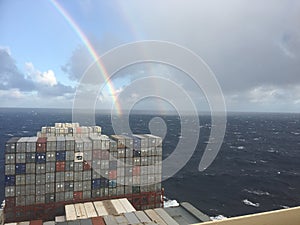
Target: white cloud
[
  {"x": 13, "y": 93},
  {"x": 46, "y": 78}
]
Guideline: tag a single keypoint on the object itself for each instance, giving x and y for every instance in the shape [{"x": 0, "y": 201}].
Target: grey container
[
  {"x": 40, "y": 179},
  {"x": 59, "y": 196},
  {"x": 50, "y": 167},
  {"x": 87, "y": 144},
  {"x": 40, "y": 189},
  {"x": 10, "y": 191},
  {"x": 86, "y": 221},
  {"x": 31, "y": 144},
  {"x": 128, "y": 161},
  {"x": 131, "y": 217},
  {"x": 120, "y": 181},
  {"x": 120, "y": 171},
  {"x": 136, "y": 180},
  {"x": 69, "y": 166},
  {"x": 11, "y": 144},
  {"x": 20, "y": 179},
  {"x": 104, "y": 164},
  {"x": 40, "y": 199},
  {"x": 96, "y": 174},
  {"x": 128, "y": 190},
  {"x": 30, "y": 189},
  {"x": 59, "y": 187},
  {"x": 121, "y": 153},
  {"x": 59, "y": 176},
  {"x": 78, "y": 176},
  {"x": 87, "y": 175},
  {"x": 60, "y": 143},
  {"x": 10, "y": 169},
  {"x": 10, "y": 158},
  {"x": 40, "y": 168},
  {"x": 112, "y": 145},
  {"x": 50, "y": 177},
  {"x": 113, "y": 155},
  {"x": 21, "y": 144},
  {"x": 69, "y": 186},
  {"x": 49, "y": 198},
  {"x": 86, "y": 185},
  {"x": 30, "y": 179},
  {"x": 86, "y": 194},
  {"x": 20, "y": 158},
  {"x": 120, "y": 163},
  {"x": 96, "y": 193},
  {"x": 30, "y": 157},
  {"x": 49, "y": 187},
  {"x": 96, "y": 142},
  {"x": 87, "y": 155},
  {"x": 69, "y": 176},
  {"x": 78, "y": 186},
  {"x": 51, "y": 143},
  {"x": 70, "y": 143},
  {"x": 70, "y": 155},
  {"x": 78, "y": 144},
  {"x": 30, "y": 168},
  {"x": 30, "y": 199},
  {"x": 20, "y": 190},
  {"x": 78, "y": 166},
  {"x": 69, "y": 195},
  {"x": 144, "y": 161},
  {"x": 112, "y": 191},
  {"x": 137, "y": 161},
  {"x": 50, "y": 156},
  {"x": 120, "y": 190}
]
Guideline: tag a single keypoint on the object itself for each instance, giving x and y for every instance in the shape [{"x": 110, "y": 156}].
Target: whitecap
[
  {"x": 219, "y": 217},
  {"x": 241, "y": 147},
  {"x": 247, "y": 202}
]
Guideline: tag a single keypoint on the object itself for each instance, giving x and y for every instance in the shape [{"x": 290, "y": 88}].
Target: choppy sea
[{"x": 256, "y": 170}]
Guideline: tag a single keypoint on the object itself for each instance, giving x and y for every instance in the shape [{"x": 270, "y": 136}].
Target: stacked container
[{"x": 68, "y": 164}]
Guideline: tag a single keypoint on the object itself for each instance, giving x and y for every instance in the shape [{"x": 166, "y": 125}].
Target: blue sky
[{"x": 253, "y": 48}]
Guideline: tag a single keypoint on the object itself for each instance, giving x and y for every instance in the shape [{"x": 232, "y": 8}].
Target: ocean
[{"x": 256, "y": 170}]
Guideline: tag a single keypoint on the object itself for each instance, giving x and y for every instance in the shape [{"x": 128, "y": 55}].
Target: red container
[
  {"x": 10, "y": 202},
  {"x": 112, "y": 174},
  {"x": 36, "y": 222},
  {"x": 136, "y": 171},
  {"x": 87, "y": 165},
  {"x": 78, "y": 130},
  {"x": 60, "y": 166},
  {"x": 41, "y": 144},
  {"x": 98, "y": 221},
  {"x": 105, "y": 154},
  {"x": 77, "y": 195}
]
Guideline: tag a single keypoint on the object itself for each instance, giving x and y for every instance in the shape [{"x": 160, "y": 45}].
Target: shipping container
[
  {"x": 41, "y": 144},
  {"x": 11, "y": 145}
]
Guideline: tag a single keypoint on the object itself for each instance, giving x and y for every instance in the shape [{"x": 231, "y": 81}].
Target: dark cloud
[{"x": 10, "y": 76}]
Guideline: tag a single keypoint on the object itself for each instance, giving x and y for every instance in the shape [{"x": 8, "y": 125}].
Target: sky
[{"x": 251, "y": 46}]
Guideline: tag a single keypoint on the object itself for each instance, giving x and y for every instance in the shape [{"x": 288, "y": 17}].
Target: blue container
[
  {"x": 112, "y": 183},
  {"x": 40, "y": 157},
  {"x": 10, "y": 180},
  {"x": 96, "y": 183},
  {"x": 20, "y": 168},
  {"x": 104, "y": 182},
  {"x": 61, "y": 156}
]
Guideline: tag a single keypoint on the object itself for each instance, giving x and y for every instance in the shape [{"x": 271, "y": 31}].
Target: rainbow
[{"x": 91, "y": 50}]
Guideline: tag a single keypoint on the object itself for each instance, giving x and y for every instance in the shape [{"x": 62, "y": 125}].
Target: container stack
[{"x": 69, "y": 164}]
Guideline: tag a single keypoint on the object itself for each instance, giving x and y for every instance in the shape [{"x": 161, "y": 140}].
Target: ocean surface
[{"x": 256, "y": 170}]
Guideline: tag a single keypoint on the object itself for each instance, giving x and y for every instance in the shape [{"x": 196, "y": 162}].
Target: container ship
[{"x": 71, "y": 175}]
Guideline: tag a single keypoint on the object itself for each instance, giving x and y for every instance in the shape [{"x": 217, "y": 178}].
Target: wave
[
  {"x": 247, "y": 202},
  {"x": 257, "y": 192}
]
